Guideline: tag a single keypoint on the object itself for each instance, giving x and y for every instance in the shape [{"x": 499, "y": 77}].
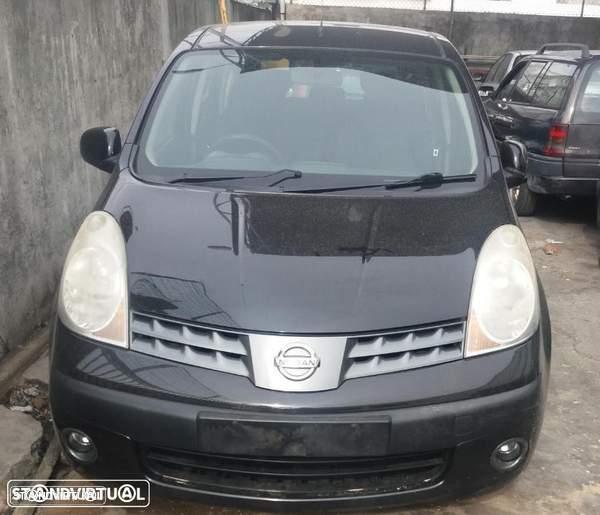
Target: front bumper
[{"x": 444, "y": 424}]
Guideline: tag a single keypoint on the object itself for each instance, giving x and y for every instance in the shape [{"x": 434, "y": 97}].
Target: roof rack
[{"x": 585, "y": 50}]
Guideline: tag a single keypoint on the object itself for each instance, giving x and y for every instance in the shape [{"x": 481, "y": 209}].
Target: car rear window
[
  {"x": 551, "y": 89},
  {"x": 588, "y": 107},
  {"x": 314, "y": 110}
]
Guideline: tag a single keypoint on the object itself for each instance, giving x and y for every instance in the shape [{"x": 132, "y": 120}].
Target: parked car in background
[
  {"x": 550, "y": 102},
  {"x": 499, "y": 70},
  {"x": 478, "y": 66},
  {"x": 304, "y": 285}
]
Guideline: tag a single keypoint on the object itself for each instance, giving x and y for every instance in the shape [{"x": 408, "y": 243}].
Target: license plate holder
[{"x": 257, "y": 435}]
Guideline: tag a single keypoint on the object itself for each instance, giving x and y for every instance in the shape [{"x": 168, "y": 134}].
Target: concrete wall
[
  {"x": 67, "y": 65},
  {"x": 472, "y": 33}
]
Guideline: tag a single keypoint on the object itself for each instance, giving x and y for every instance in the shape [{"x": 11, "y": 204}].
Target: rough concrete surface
[
  {"x": 20, "y": 437},
  {"x": 65, "y": 66},
  {"x": 471, "y": 33},
  {"x": 563, "y": 477},
  {"x": 20, "y": 434},
  {"x": 39, "y": 370}
]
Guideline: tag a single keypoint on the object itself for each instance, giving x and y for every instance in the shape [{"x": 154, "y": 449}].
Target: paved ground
[{"x": 564, "y": 475}]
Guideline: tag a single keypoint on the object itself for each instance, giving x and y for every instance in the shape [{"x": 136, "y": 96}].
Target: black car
[
  {"x": 550, "y": 102},
  {"x": 305, "y": 285}
]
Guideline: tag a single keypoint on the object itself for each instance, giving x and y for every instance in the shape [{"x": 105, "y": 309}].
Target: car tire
[{"x": 524, "y": 200}]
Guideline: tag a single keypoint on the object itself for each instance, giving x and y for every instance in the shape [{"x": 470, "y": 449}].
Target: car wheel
[{"x": 524, "y": 200}]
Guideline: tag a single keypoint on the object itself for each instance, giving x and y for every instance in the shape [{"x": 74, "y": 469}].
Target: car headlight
[
  {"x": 505, "y": 305},
  {"x": 93, "y": 290}
]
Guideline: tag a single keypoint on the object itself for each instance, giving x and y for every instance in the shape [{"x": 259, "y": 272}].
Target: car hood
[{"x": 304, "y": 264}]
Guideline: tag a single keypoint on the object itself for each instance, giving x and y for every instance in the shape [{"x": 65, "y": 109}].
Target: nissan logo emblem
[{"x": 297, "y": 361}]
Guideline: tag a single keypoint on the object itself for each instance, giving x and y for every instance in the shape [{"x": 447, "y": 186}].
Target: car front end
[
  {"x": 392, "y": 439},
  {"x": 196, "y": 397},
  {"x": 308, "y": 325}
]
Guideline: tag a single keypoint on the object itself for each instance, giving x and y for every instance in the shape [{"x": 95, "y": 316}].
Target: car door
[
  {"x": 513, "y": 113},
  {"x": 498, "y": 106},
  {"x": 582, "y": 155}
]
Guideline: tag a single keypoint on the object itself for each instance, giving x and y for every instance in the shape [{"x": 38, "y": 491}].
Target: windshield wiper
[
  {"x": 197, "y": 180},
  {"x": 428, "y": 180},
  {"x": 296, "y": 174}
]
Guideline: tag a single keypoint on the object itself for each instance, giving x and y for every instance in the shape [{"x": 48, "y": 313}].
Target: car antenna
[{"x": 320, "y": 29}]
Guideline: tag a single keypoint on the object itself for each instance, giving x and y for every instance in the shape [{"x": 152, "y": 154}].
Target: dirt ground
[{"x": 564, "y": 475}]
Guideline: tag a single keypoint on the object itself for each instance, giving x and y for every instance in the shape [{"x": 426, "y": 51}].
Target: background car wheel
[{"x": 524, "y": 200}]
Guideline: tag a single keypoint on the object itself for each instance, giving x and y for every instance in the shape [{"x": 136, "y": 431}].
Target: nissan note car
[{"x": 305, "y": 285}]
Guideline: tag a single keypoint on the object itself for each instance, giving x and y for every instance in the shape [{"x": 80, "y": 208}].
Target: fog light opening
[
  {"x": 509, "y": 454},
  {"x": 79, "y": 446}
]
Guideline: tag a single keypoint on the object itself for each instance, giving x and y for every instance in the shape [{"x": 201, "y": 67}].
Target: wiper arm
[
  {"x": 196, "y": 180},
  {"x": 431, "y": 180},
  {"x": 338, "y": 188},
  {"x": 296, "y": 174}
]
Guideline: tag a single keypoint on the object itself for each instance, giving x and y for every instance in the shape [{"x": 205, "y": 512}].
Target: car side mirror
[
  {"x": 478, "y": 77},
  {"x": 101, "y": 147},
  {"x": 486, "y": 91},
  {"x": 513, "y": 155}
]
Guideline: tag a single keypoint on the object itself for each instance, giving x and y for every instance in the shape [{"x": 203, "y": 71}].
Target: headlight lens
[
  {"x": 93, "y": 290},
  {"x": 505, "y": 307}
]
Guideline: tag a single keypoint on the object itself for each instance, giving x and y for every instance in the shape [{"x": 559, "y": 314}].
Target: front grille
[
  {"x": 295, "y": 478},
  {"x": 361, "y": 356},
  {"x": 375, "y": 355},
  {"x": 194, "y": 345}
]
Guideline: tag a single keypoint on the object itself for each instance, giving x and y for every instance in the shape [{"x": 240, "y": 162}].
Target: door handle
[{"x": 505, "y": 121}]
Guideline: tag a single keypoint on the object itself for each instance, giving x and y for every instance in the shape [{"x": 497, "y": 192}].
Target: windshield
[{"x": 322, "y": 112}]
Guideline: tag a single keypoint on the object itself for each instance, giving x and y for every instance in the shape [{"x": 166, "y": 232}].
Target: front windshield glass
[{"x": 323, "y": 112}]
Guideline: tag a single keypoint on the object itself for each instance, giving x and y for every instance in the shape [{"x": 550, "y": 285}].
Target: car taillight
[{"x": 557, "y": 141}]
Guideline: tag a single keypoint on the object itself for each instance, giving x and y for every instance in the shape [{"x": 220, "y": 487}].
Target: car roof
[
  {"x": 576, "y": 59},
  {"x": 356, "y": 36},
  {"x": 520, "y": 52}
]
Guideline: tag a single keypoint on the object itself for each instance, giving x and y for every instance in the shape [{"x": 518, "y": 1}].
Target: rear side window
[
  {"x": 499, "y": 69},
  {"x": 551, "y": 90},
  {"x": 588, "y": 108},
  {"x": 525, "y": 83}
]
